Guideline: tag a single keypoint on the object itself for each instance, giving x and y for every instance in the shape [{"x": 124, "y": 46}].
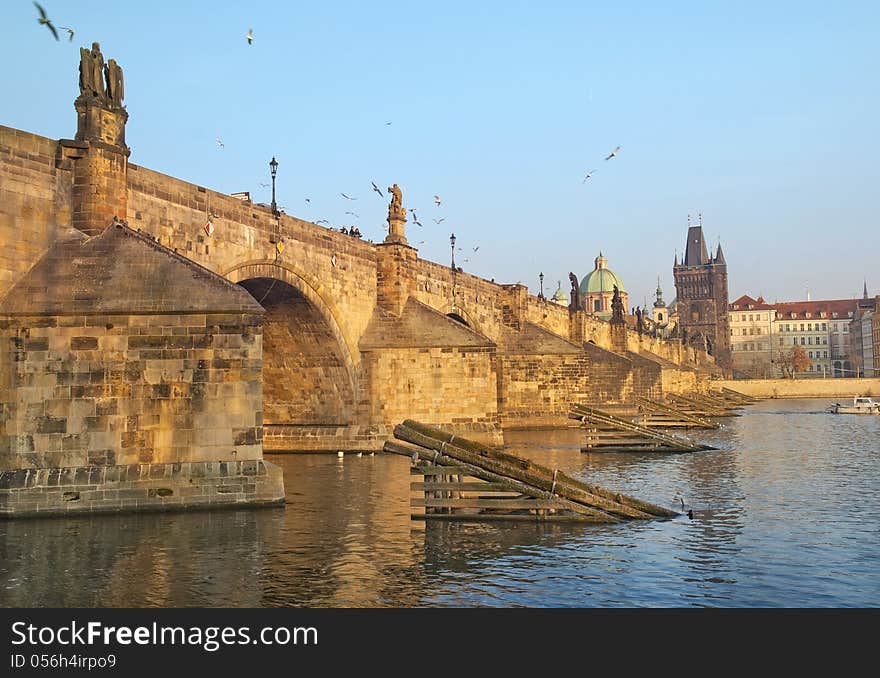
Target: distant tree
[
  {"x": 799, "y": 359},
  {"x": 792, "y": 361}
]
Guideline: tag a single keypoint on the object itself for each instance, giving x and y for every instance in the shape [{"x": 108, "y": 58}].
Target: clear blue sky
[{"x": 761, "y": 115}]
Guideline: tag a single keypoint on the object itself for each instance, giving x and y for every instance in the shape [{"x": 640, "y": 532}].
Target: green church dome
[{"x": 600, "y": 280}]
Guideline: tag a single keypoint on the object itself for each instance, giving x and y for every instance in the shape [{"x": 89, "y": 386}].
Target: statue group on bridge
[{"x": 99, "y": 81}]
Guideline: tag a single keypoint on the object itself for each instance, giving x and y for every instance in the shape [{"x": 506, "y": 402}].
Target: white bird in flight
[
  {"x": 589, "y": 174},
  {"x": 377, "y": 189},
  {"x": 347, "y": 197},
  {"x": 613, "y": 153},
  {"x": 220, "y": 142},
  {"x": 437, "y": 200},
  {"x": 250, "y": 36},
  {"x": 437, "y": 221}
]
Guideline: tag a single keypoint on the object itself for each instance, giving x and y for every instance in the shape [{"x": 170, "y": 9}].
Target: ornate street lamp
[
  {"x": 273, "y": 168},
  {"x": 541, "y": 278},
  {"x": 452, "y": 244}
]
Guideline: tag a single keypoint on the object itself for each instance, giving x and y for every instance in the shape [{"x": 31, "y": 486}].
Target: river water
[{"x": 785, "y": 515}]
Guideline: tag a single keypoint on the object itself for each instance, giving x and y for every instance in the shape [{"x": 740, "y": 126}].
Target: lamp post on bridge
[
  {"x": 273, "y": 168},
  {"x": 541, "y": 278},
  {"x": 452, "y": 244}
]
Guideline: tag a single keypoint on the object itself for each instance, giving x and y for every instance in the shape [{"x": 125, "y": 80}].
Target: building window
[
  {"x": 758, "y": 331},
  {"x": 824, "y": 326},
  {"x": 810, "y": 368},
  {"x": 824, "y": 354},
  {"x": 802, "y": 327},
  {"x": 811, "y": 354},
  {"x": 744, "y": 317},
  {"x": 824, "y": 340},
  {"x": 803, "y": 341}
]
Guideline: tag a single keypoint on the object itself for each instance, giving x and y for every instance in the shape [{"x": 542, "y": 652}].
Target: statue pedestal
[{"x": 396, "y": 231}]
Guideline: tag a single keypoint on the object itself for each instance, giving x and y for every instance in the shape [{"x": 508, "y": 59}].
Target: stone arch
[
  {"x": 459, "y": 314},
  {"x": 302, "y": 304}
]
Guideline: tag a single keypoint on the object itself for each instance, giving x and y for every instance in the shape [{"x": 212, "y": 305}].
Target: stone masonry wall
[
  {"x": 140, "y": 487},
  {"x": 612, "y": 375},
  {"x": 35, "y": 200},
  {"x": 433, "y": 385},
  {"x": 539, "y": 387},
  {"x": 336, "y": 272},
  {"x": 111, "y": 390}
]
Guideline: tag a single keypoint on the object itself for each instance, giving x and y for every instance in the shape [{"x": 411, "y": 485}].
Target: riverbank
[{"x": 802, "y": 388}]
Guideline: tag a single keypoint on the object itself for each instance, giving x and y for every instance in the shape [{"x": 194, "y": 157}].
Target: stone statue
[
  {"x": 115, "y": 87},
  {"x": 640, "y": 327},
  {"x": 91, "y": 72},
  {"x": 617, "y": 307},
  {"x": 395, "y": 209},
  {"x": 575, "y": 302}
]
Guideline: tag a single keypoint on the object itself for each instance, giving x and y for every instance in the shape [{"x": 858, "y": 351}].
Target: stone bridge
[{"x": 356, "y": 335}]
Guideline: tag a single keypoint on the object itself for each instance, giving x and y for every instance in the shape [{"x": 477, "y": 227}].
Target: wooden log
[
  {"x": 507, "y": 504},
  {"x": 655, "y": 406},
  {"x": 477, "y": 486},
  {"x": 502, "y": 517},
  {"x": 534, "y": 474},
  {"x": 593, "y": 415},
  {"x": 435, "y": 470},
  {"x": 507, "y": 482}
]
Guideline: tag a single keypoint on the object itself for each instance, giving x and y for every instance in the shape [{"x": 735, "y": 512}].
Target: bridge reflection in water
[{"x": 784, "y": 515}]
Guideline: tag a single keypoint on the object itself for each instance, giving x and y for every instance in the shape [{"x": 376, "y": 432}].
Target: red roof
[
  {"x": 792, "y": 310},
  {"x": 746, "y": 303},
  {"x": 833, "y": 308}
]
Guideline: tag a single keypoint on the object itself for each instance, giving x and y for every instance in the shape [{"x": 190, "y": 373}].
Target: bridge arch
[
  {"x": 309, "y": 371},
  {"x": 459, "y": 314}
]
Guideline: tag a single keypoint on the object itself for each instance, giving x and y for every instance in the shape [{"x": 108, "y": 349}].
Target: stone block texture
[{"x": 104, "y": 362}]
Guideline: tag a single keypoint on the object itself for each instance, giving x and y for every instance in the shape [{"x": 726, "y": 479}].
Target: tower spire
[{"x": 865, "y": 290}]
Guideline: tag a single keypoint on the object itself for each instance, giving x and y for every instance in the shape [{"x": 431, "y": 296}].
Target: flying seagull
[
  {"x": 322, "y": 221},
  {"x": 264, "y": 184},
  {"x": 437, "y": 200},
  {"x": 356, "y": 216},
  {"x": 613, "y": 153},
  {"x": 476, "y": 248},
  {"x": 46, "y": 21},
  {"x": 589, "y": 174},
  {"x": 307, "y": 199},
  {"x": 220, "y": 143},
  {"x": 416, "y": 221},
  {"x": 69, "y": 32},
  {"x": 437, "y": 221},
  {"x": 387, "y": 123},
  {"x": 250, "y": 36},
  {"x": 377, "y": 189},
  {"x": 347, "y": 197}
]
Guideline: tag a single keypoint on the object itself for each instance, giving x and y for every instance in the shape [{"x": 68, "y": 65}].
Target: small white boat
[{"x": 860, "y": 405}]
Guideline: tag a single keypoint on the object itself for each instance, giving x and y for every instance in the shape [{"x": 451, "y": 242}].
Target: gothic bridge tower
[{"x": 701, "y": 292}]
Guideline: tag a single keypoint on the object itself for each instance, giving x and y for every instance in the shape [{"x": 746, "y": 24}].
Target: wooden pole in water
[
  {"x": 506, "y": 482},
  {"x": 527, "y": 471}
]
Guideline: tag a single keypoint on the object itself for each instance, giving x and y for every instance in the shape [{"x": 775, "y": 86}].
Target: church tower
[
  {"x": 660, "y": 313},
  {"x": 701, "y": 297}
]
